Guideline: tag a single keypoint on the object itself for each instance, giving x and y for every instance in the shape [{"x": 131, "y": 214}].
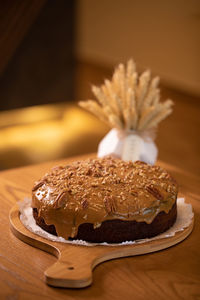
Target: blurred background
[{"x": 52, "y": 51}]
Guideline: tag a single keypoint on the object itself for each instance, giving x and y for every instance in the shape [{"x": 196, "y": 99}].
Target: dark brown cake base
[{"x": 117, "y": 231}]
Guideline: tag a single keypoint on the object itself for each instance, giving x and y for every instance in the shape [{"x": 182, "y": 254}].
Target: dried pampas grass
[{"x": 129, "y": 101}]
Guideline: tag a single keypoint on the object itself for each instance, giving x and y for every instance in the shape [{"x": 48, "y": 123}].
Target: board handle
[{"x": 72, "y": 270}]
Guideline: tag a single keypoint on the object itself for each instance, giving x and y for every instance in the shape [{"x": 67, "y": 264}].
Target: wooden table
[{"x": 169, "y": 274}]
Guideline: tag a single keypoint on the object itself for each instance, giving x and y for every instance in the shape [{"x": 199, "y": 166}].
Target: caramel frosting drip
[{"x": 95, "y": 190}]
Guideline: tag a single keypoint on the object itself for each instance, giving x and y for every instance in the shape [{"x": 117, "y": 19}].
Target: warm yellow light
[{"x": 46, "y": 133}]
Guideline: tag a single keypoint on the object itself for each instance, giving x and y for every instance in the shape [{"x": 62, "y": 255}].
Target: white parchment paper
[{"x": 184, "y": 218}]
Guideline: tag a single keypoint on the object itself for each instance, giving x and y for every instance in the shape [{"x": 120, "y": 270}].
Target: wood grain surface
[{"x": 173, "y": 273}]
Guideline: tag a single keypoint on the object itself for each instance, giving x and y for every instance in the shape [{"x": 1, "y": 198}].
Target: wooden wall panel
[
  {"x": 41, "y": 69},
  {"x": 16, "y": 18}
]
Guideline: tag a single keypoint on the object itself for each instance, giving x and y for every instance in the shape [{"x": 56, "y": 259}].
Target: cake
[{"x": 105, "y": 200}]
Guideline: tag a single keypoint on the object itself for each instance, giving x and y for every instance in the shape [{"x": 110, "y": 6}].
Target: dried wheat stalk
[{"x": 129, "y": 101}]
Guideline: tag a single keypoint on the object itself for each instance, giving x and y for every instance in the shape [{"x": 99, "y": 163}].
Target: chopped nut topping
[
  {"x": 38, "y": 185},
  {"x": 61, "y": 200},
  {"x": 118, "y": 180},
  {"x": 84, "y": 203},
  {"x": 134, "y": 193},
  {"x": 110, "y": 204},
  {"x": 96, "y": 225},
  {"x": 57, "y": 168},
  {"x": 154, "y": 191},
  {"x": 89, "y": 172}
]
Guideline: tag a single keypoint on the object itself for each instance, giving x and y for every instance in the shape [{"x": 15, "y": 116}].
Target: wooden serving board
[{"x": 75, "y": 263}]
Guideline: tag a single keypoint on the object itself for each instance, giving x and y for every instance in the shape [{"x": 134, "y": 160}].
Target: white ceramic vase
[{"x": 128, "y": 146}]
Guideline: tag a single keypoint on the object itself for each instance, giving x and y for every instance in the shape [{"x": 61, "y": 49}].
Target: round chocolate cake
[{"x": 105, "y": 200}]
